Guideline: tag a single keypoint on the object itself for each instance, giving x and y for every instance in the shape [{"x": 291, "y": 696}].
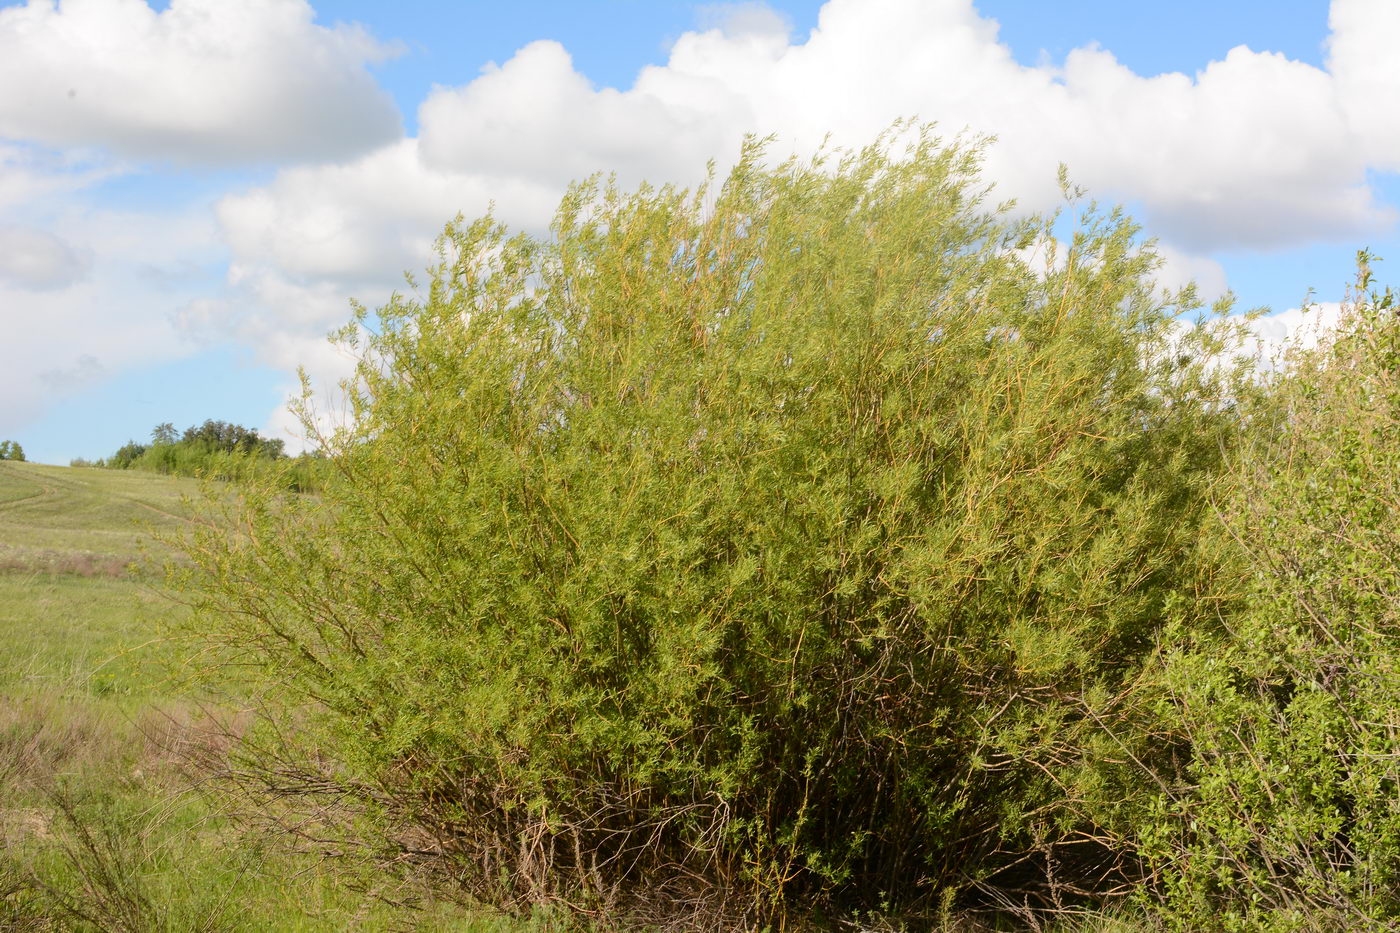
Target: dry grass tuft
[{"x": 75, "y": 563}]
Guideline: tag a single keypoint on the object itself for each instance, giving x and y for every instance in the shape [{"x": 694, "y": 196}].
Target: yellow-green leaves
[{"x": 792, "y": 537}]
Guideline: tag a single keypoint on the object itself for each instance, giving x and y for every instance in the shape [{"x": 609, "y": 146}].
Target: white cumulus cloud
[
  {"x": 203, "y": 81},
  {"x": 538, "y": 119},
  {"x": 1364, "y": 63},
  {"x": 38, "y": 260},
  {"x": 1296, "y": 327},
  {"x": 1254, "y": 151},
  {"x": 367, "y": 220}
]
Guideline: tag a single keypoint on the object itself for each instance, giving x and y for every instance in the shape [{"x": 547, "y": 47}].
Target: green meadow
[{"x": 112, "y": 731}]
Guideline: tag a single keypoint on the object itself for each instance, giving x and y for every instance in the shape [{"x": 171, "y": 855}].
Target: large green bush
[{"x": 795, "y": 542}]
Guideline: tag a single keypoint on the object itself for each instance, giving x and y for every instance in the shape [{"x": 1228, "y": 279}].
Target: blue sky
[{"x": 177, "y": 232}]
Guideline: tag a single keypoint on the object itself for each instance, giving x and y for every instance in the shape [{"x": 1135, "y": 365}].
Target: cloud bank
[
  {"x": 1252, "y": 152},
  {"x": 204, "y": 81}
]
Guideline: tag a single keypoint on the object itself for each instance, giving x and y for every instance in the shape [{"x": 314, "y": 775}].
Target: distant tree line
[
  {"x": 10, "y": 450},
  {"x": 217, "y": 449}
]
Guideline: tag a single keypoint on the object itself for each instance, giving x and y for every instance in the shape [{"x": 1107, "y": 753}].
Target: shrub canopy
[
  {"x": 1288, "y": 815},
  {"x": 797, "y": 540}
]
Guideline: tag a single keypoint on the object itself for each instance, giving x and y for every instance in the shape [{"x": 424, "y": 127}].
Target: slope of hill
[
  {"x": 109, "y": 818},
  {"x": 89, "y": 522},
  {"x": 75, "y": 613}
]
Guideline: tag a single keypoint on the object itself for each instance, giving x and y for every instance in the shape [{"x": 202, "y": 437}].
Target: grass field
[
  {"x": 103, "y": 822},
  {"x": 77, "y": 618}
]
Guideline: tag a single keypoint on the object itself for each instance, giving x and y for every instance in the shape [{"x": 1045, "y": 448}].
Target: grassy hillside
[
  {"x": 77, "y": 616},
  {"x": 105, "y": 822}
]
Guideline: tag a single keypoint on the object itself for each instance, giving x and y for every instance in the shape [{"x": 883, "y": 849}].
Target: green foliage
[
  {"x": 1288, "y": 815},
  {"x": 125, "y": 457},
  {"x": 792, "y": 543},
  {"x": 224, "y": 437},
  {"x": 216, "y": 450},
  {"x": 11, "y": 450},
  {"x": 163, "y": 433}
]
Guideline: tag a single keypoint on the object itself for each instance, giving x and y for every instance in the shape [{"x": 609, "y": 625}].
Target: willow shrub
[
  {"x": 1288, "y": 816},
  {"x": 786, "y": 542}
]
